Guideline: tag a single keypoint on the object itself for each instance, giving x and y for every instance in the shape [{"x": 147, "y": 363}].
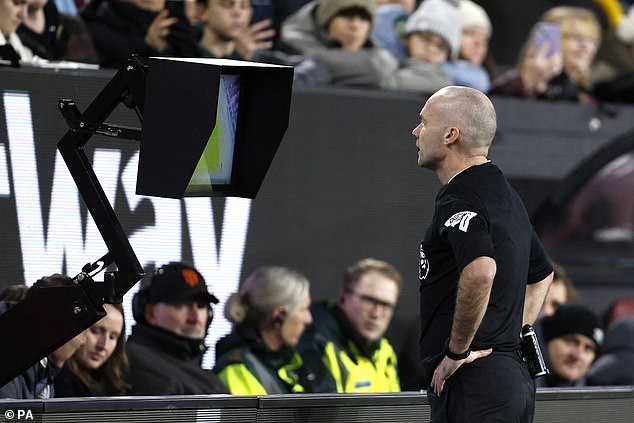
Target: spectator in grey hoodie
[{"x": 337, "y": 33}]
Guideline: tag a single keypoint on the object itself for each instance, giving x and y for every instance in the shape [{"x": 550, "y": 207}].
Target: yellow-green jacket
[
  {"x": 352, "y": 365},
  {"x": 248, "y": 367}
]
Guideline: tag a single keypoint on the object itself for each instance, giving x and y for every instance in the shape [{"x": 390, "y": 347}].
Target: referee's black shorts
[{"x": 496, "y": 388}]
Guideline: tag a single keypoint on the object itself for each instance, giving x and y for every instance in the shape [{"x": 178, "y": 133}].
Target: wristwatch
[{"x": 453, "y": 356}]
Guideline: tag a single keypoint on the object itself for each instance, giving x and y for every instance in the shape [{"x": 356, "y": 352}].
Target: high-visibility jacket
[
  {"x": 248, "y": 367},
  {"x": 353, "y": 365},
  {"x": 249, "y": 376}
]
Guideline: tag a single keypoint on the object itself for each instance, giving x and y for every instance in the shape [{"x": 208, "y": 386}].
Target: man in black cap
[
  {"x": 166, "y": 347},
  {"x": 573, "y": 336}
]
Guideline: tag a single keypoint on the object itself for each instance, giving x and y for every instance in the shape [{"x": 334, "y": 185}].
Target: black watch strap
[{"x": 453, "y": 355}]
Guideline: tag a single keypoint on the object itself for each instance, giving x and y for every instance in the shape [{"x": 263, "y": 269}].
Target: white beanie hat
[
  {"x": 625, "y": 27},
  {"x": 472, "y": 14},
  {"x": 440, "y": 17}
]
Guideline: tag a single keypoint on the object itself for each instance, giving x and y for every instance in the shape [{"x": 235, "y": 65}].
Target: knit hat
[
  {"x": 572, "y": 319},
  {"x": 328, "y": 9},
  {"x": 625, "y": 27},
  {"x": 472, "y": 14},
  {"x": 176, "y": 282},
  {"x": 440, "y": 17}
]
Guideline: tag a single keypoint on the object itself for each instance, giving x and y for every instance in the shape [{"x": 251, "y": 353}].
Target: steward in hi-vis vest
[{"x": 354, "y": 364}]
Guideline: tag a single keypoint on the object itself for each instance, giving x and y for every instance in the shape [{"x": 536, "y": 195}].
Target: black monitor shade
[{"x": 180, "y": 113}]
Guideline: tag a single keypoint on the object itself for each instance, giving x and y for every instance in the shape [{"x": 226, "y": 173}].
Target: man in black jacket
[{"x": 166, "y": 346}]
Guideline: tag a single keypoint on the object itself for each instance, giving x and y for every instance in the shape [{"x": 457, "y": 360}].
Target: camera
[{"x": 532, "y": 352}]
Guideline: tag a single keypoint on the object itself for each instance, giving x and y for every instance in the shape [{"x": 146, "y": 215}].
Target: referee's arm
[
  {"x": 535, "y": 296},
  {"x": 474, "y": 290}
]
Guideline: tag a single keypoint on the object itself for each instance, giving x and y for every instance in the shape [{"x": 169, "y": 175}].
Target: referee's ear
[{"x": 452, "y": 134}]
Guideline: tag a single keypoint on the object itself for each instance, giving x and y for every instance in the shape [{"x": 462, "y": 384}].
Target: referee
[{"x": 482, "y": 269}]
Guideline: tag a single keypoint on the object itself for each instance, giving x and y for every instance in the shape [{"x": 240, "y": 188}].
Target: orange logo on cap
[{"x": 191, "y": 277}]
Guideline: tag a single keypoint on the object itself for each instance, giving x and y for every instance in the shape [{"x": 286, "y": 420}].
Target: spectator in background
[
  {"x": 56, "y": 36},
  {"x": 473, "y": 66},
  {"x": 388, "y": 29},
  {"x": 561, "y": 291},
  {"x": 13, "y": 293},
  {"x": 226, "y": 33},
  {"x": 12, "y": 14},
  {"x": 36, "y": 382},
  {"x": 345, "y": 345},
  {"x": 121, "y": 28},
  {"x": 615, "y": 366},
  {"x": 100, "y": 366},
  {"x": 572, "y": 337},
  {"x": 337, "y": 33},
  {"x": 621, "y": 307},
  {"x": 432, "y": 35},
  {"x": 561, "y": 76},
  {"x": 173, "y": 313},
  {"x": 269, "y": 315},
  {"x": 612, "y": 73},
  {"x": 68, "y": 6}
]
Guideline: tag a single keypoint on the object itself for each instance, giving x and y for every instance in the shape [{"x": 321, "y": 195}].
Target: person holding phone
[{"x": 556, "y": 59}]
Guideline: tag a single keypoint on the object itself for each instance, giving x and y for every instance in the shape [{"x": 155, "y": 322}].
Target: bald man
[{"x": 482, "y": 269}]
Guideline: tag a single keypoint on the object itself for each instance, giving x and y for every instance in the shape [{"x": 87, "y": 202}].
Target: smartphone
[
  {"x": 176, "y": 9},
  {"x": 546, "y": 31}
]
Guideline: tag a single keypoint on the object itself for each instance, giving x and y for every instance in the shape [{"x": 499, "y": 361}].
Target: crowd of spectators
[
  {"x": 283, "y": 342},
  {"x": 407, "y": 45},
  {"x": 274, "y": 347}
]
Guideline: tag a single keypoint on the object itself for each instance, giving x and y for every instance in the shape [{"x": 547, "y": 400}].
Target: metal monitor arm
[{"x": 49, "y": 317}]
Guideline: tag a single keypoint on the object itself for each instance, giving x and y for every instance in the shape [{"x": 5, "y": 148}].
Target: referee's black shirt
[{"x": 477, "y": 214}]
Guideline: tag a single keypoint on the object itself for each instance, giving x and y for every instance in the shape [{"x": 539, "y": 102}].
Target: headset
[
  {"x": 280, "y": 318},
  {"x": 142, "y": 296}
]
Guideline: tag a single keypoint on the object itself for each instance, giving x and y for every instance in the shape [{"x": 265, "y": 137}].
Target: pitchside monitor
[
  {"x": 215, "y": 166},
  {"x": 211, "y": 127}
]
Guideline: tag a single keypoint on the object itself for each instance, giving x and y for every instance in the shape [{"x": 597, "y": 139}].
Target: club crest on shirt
[
  {"x": 423, "y": 265},
  {"x": 461, "y": 219}
]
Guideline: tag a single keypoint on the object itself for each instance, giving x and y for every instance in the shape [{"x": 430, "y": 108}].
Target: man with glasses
[{"x": 345, "y": 343}]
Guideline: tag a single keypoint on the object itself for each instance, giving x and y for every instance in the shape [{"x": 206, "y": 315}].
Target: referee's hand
[{"x": 447, "y": 367}]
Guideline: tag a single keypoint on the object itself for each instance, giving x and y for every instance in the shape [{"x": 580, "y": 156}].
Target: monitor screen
[{"x": 215, "y": 166}]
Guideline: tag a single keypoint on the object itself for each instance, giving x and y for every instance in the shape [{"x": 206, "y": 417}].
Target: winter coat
[
  {"x": 369, "y": 67},
  {"x": 615, "y": 366},
  {"x": 248, "y": 367},
  {"x": 352, "y": 363},
  {"x": 163, "y": 363}
]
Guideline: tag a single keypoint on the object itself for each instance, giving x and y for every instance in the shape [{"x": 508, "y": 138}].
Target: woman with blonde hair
[
  {"x": 269, "y": 315},
  {"x": 556, "y": 75}
]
